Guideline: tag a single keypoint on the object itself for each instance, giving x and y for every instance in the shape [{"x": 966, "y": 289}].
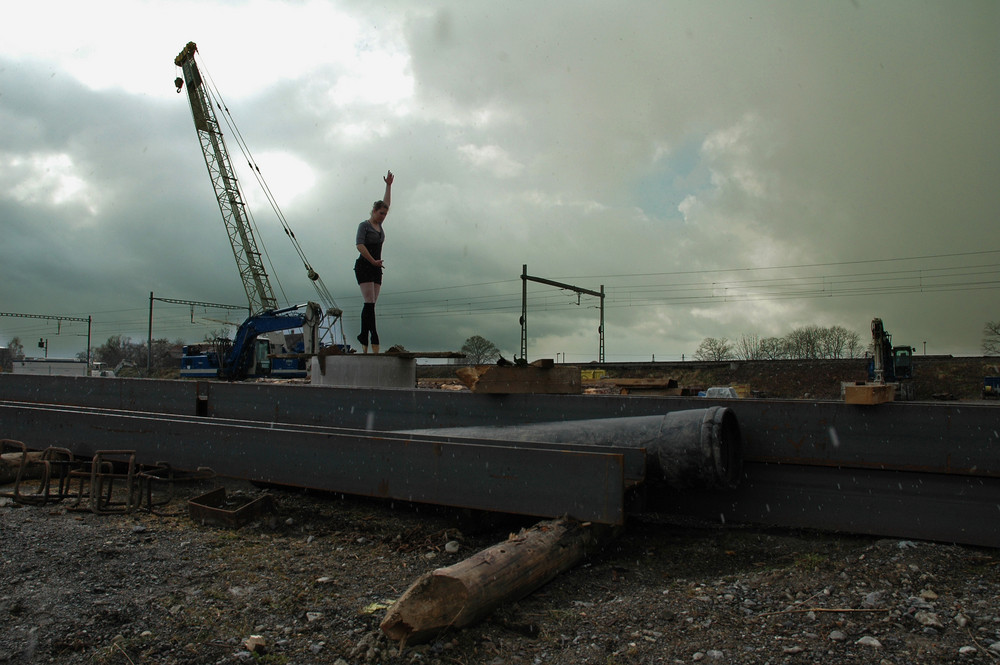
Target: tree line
[
  {"x": 809, "y": 342},
  {"x": 120, "y": 353},
  {"x": 991, "y": 338},
  {"x": 126, "y": 356}
]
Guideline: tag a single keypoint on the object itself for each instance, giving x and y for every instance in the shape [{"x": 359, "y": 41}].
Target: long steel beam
[
  {"x": 634, "y": 458},
  {"x": 823, "y": 464},
  {"x": 545, "y": 482},
  {"x": 934, "y": 437},
  {"x": 905, "y": 504}
]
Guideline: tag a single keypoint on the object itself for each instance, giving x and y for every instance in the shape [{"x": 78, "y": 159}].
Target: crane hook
[{"x": 179, "y": 82}]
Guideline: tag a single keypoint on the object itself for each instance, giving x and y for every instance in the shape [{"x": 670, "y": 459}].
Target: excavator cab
[
  {"x": 262, "y": 363},
  {"x": 902, "y": 362}
]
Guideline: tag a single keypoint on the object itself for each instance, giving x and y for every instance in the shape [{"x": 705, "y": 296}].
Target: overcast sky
[{"x": 720, "y": 168}]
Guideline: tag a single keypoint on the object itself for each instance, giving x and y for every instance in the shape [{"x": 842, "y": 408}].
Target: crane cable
[
  {"x": 244, "y": 148},
  {"x": 330, "y": 305}
]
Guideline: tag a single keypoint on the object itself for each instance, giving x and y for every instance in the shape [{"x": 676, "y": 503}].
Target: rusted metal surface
[
  {"x": 213, "y": 508},
  {"x": 107, "y": 471},
  {"x": 157, "y": 483},
  {"x": 41, "y": 469},
  {"x": 110, "y": 481}
]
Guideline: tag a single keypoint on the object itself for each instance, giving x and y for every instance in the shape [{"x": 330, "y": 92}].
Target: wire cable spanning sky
[
  {"x": 721, "y": 168},
  {"x": 834, "y": 280}
]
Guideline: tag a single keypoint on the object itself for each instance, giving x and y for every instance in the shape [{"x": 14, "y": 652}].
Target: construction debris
[
  {"x": 539, "y": 377},
  {"x": 214, "y": 508},
  {"x": 109, "y": 482}
]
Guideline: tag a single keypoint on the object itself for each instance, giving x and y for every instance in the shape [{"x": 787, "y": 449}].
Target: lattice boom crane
[
  {"x": 246, "y": 355},
  {"x": 248, "y": 260}
]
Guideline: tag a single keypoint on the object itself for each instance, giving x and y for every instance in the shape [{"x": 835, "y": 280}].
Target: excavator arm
[{"x": 240, "y": 356}]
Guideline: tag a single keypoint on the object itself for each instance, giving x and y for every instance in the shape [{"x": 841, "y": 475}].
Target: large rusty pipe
[{"x": 698, "y": 448}]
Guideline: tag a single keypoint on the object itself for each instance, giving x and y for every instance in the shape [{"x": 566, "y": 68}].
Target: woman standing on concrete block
[{"x": 368, "y": 267}]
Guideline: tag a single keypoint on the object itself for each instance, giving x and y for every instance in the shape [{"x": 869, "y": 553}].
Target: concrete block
[{"x": 359, "y": 370}]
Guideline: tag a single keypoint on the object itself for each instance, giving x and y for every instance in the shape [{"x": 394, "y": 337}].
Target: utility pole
[
  {"x": 524, "y": 312},
  {"x": 58, "y": 320},
  {"x": 192, "y": 303},
  {"x": 525, "y": 278}
]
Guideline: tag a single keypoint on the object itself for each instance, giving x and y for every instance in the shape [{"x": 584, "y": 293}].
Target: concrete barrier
[{"x": 363, "y": 371}]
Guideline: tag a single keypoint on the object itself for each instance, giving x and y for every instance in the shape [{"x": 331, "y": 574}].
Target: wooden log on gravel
[{"x": 462, "y": 594}]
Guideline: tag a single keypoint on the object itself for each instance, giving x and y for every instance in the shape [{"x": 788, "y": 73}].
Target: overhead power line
[
  {"x": 681, "y": 288},
  {"x": 923, "y": 279},
  {"x": 922, "y": 257}
]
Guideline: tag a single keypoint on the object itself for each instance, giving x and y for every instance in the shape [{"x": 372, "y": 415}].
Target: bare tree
[
  {"x": 804, "y": 343},
  {"x": 161, "y": 358},
  {"x": 748, "y": 347},
  {"x": 773, "y": 348},
  {"x": 855, "y": 348},
  {"x": 991, "y": 338},
  {"x": 16, "y": 348},
  {"x": 479, "y": 350},
  {"x": 807, "y": 342},
  {"x": 221, "y": 333},
  {"x": 115, "y": 350},
  {"x": 836, "y": 340},
  {"x": 714, "y": 349}
]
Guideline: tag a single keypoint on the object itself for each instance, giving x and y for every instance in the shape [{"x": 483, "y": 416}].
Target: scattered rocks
[
  {"x": 255, "y": 644},
  {"x": 928, "y": 619},
  {"x": 312, "y": 585}
]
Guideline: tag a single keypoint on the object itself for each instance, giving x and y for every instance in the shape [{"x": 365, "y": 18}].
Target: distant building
[{"x": 50, "y": 366}]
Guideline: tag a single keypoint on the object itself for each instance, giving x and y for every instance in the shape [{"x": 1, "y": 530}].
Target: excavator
[
  {"x": 890, "y": 364},
  {"x": 889, "y": 369},
  {"x": 251, "y": 353}
]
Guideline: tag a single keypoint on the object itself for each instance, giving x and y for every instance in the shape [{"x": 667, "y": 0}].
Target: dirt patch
[{"x": 313, "y": 580}]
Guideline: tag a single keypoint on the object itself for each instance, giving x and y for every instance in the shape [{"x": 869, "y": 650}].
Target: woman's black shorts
[{"x": 366, "y": 272}]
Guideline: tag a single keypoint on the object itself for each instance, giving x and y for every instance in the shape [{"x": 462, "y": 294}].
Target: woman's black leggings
[{"x": 368, "y": 325}]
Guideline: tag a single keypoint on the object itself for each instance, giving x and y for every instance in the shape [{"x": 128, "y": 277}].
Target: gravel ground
[{"x": 312, "y": 580}]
